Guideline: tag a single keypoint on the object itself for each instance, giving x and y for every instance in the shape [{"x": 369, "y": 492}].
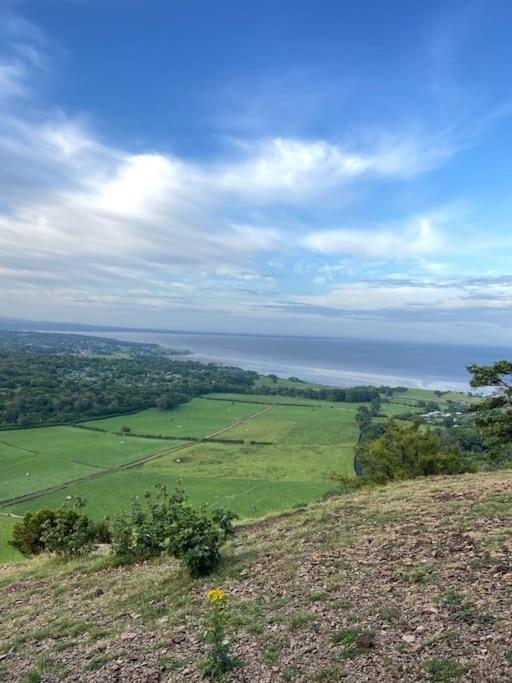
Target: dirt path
[
  {"x": 19, "y": 448},
  {"x": 129, "y": 465}
]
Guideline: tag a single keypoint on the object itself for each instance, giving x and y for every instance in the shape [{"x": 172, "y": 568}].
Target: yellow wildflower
[{"x": 216, "y": 595}]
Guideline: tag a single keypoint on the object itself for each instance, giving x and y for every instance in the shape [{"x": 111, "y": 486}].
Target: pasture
[
  {"x": 304, "y": 445},
  {"x": 35, "y": 459},
  {"x": 197, "y": 418},
  {"x": 248, "y": 498}
]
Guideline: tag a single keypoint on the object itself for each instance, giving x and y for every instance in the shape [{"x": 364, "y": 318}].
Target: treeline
[
  {"x": 38, "y": 388},
  {"x": 126, "y": 431},
  {"x": 361, "y": 394},
  {"x": 58, "y": 342}
]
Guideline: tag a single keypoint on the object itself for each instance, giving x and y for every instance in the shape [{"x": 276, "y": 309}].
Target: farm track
[
  {"x": 130, "y": 465},
  {"x": 19, "y": 448}
]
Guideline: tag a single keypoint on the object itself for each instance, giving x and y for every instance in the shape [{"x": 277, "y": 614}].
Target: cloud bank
[{"x": 87, "y": 226}]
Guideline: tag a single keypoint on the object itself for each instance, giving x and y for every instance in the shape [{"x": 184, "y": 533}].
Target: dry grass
[{"x": 412, "y": 582}]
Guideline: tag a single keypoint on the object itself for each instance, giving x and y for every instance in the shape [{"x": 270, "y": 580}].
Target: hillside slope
[{"x": 412, "y": 582}]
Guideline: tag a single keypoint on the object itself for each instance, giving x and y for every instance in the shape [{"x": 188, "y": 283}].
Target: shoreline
[
  {"x": 329, "y": 376},
  {"x": 334, "y": 377}
]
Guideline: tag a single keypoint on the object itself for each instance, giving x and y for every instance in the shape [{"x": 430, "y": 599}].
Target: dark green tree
[
  {"x": 494, "y": 413},
  {"x": 406, "y": 451}
]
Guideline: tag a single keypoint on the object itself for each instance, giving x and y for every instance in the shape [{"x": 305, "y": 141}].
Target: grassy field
[
  {"x": 196, "y": 418},
  {"x": 413, "y": 395},
  {"x": 287, "y": 458},
  {"x": 304, "y": 445},
  {"x": 289, "y": 384},
  {"x": 35, "y": 459},
  {"x": 248, "y": 497}
]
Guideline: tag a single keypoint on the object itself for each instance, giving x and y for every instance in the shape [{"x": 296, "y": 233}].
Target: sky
[{"x": 292, "y": 167}]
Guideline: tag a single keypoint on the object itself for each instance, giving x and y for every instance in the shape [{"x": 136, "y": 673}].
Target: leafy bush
[
  {"x": 103, "y": 534},
  {"x": 168, "y": 524},
  {"x": 64, "y": 531},
  {"x": 347, "y": 484},
  {"x": 71, "y": 533},
  {"x": 27, "y": 534},
  {"x": 439, "y": 463},
  {"x": 224, "y": 520},
  {"x": 405, "y": 451}
]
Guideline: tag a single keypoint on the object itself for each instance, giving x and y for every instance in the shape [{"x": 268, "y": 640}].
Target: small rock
[
  {"x": 365, "y": 640},
  {"x": 408, "y": 638}
]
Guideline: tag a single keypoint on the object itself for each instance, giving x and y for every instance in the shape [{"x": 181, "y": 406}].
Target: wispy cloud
[
  {"x": 411, "y": 296},
  {"x": 419, "y": 239}
]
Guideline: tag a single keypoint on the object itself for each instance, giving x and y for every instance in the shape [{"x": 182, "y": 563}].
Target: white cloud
[
  {"x": 282, "y": 169},
  {"x": 420, "y": 238},
  {"x": 435, "y": 296}
]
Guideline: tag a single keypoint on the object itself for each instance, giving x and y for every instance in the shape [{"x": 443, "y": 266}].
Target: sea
[{"x": 332, "y": 361}]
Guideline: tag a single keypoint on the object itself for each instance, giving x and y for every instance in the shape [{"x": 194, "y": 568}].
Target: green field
[
  {"x": 287, "y": 452},
  {"x": 413, "y": 395},
  {"x": 35, "y": 459},
  {"x": 196, "y": 418},
  {"x": 249, "y": 498},
  {"x": 304, "y": 445},
  {"x": 289, "y": 384}
]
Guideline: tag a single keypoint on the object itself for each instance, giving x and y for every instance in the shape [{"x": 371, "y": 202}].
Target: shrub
[
  {"x": 103, "y": 534},
  {"x": 71, "y": 533},
  {"x": 168, "y": 524},
  {"x": 347, "y": 484},
  {"x": 27, "y": 534},
  {"x": 439, "y": 463},
  {"x": 405, "y": 451},
  {"x": 224, "y": 520},
  {"x": 64, "y": 531}
]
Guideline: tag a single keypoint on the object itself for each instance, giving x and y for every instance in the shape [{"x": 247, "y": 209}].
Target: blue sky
[{"x": 333, "y": 168}]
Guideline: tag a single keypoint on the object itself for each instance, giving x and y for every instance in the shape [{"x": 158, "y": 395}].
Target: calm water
[{"x": 333, "y": 361}]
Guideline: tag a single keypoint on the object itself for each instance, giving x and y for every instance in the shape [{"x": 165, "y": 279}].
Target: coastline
[{"x": 318, "y": 361}]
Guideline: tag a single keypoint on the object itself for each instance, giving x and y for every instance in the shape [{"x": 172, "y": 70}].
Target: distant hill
[
  {"x": 43, "y": 325},
  {"x": 410, "y": 582}
]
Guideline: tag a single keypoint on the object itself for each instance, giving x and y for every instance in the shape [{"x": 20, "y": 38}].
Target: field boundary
[
  {"x": 126, "y": 466},
  {"x": 261, "y": 403}
]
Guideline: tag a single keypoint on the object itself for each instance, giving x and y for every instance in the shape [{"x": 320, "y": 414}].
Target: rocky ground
[{"x": 411, "y": 582}]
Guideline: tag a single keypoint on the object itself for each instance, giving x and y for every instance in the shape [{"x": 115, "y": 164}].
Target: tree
[
  {"x": 375, "y": 406},
  {"x": 404, "y": 451},
  {"x": 494, "y": 413},
  {"x": 162, "y": 403}
]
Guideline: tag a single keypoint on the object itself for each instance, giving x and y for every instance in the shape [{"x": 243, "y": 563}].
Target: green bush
[
  {"x": 168, "y": 524},
  {"x": 71, "y": 533},
  {"x": 64, "y": 531},
  {"x": 439, "y": 463},
  {"x": 405, "y": 451},
  {"x": 103, "y": 534},
  {"x": 27, "y": 534}
]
